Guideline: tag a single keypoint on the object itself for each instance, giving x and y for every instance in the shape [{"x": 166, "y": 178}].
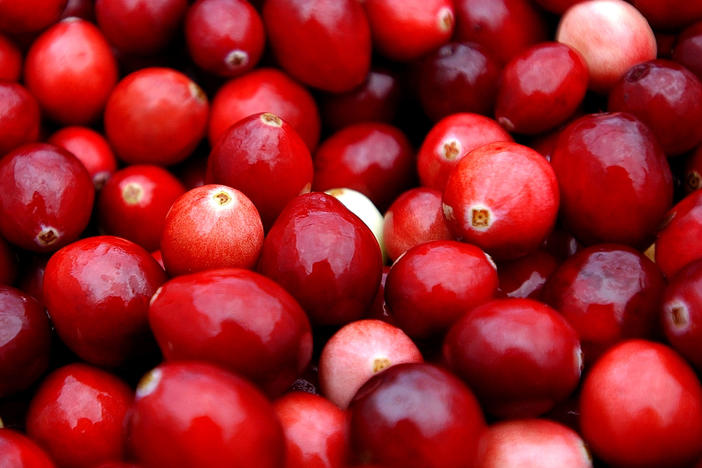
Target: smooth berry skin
[
  {"x": 667, "y": 98},
  {"x": 641, "y": 406},
  {"x": 19, "y": 451},
  {"x": 519, "y": 356},
  {"x": 51, "y": 198},
  {"x": 71, "y": 71},
  {"x": 141, "y": 27},
  {"x": 97, "y": 293},
  {"x": 608, "y": 293},
  {"x": 457, "y": 77},
  {"x": 134, "y": 202},
  {"x": 540, "y": 88},
  {"x": 526, "y": 276},
  {"x": 155, "y": 116},
  {"x": 375, "y": 159},
  {"x": 393, "y": 425},
  {"x": 26, "y": 338},
  {"x": 192, "y": 414},
  {"x": 19, "y": 117},
  {"x": 316, "y": 431},
  {"x": 669, "y": 15},
  {"x": 325, "y": 256},
  {"x": 433, "y": 284},
  {"x": 325, "y": 45},
  {"x": 688, "y": 48},
  {"x": 91, "y": 148},
  {"x": 10, "y": 60},
  {"x": 677, "y": 241},
  {"x": 450, "y": 140},
  {"x": 617, "y": 152},
  {"x": 235, "y": 318},
  {"x": 481, "y": 206},
  {"x": 208, "y": 227},
  {"x": 78, "y": 415},
  {"x": 265, "y": 90},
  {"x": 263, "y": 157},
  {"x": 224, "y": 37},
  {"x": 30, "y": 16}
]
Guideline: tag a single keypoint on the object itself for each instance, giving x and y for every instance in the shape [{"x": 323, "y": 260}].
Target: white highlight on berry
[{"x": 149, "y": 383}]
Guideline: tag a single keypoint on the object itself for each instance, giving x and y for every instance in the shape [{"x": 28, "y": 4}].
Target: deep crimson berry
[
  {"x": 91, "y": 148},
  {"x": 19, "y": 117},
  {"x": 525, "y": 277},
  {"x": 692, "y": 177},
  {"x": 688, "y": 48},
  {"x": 669, "y": 14},
  {"x": 19, "y": 451},
  {"x": 678, "y": 243},
  {"x": 8, "y": 263},
  {"x": 10, "y": 60},
  {"x": 29, "y": 16},
  {"x": 84, "y": 9}
]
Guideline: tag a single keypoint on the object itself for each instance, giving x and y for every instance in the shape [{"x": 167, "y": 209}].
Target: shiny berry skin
[
  {"x": 373, "y": 158},
  {"x": 619, "y": 154},
  {"x": 325, "y": 256},
  {"x": 481, "y": 206},
  {"x": 540, "y": 88},
  {"x": 71, "y": 71},
  {"x": 667, "y": 98},
  {"x": 24, "y": 346},
  {"x": 29, "y": 16},
  {"x": 155, "y": 116},
  {"x": 213, "y": 226},
  {"x": 316, "y": 431},
  {"x": 224, "y": 37},
  {"x": 433, "y": 284},
  {"x": 688, "y": 49},
  {"x": 193, "y": 414},
  {"x": 416, "y": 415},
  {"x": 608, "y": 293},
  {"x": 263, "y": 157},
  {"x": 641, "y": 406},
  {"x": 669, "y": 14},
  {"x": 678, "y": 243},
  {"x": 51, "y": 198},
  {"x": 91, "y": 148},
  {"x": 97, "y": 293},
  {"x": 19, "y": 117},
  {"x": 265, "y": 90},
  {"x": 323, "y": 44},
  {"x": 19, "y": 451},
  {"x": 526, "y": 276},
  {"x": 519, "y": 356},
  {"x": 78, "y": 415},
  {"x": 140, "y": 27},
  {"x": 10, "y": 60},
  {"x": 235, "y": 318},
  {"x": 134, "y": 202},
  {"x": 406, "y": 30}
]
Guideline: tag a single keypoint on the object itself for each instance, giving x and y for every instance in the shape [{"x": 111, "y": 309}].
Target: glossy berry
[
  {"x": 669, "y": 15},
  {"x": 19, "y": 451},
  {"x": 29, "y": 16},
  {"x": 526, "y": 276},
  {"x": 91, "y": 148},
  {"x": 19, "y": 117},
  {"x": 677, "y": 242}
]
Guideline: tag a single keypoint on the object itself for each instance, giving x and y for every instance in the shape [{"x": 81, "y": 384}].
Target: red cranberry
[
  {"x": 525, "y": 277},
  {"x": 449, "y": 141},
  {"x": 10, "y": 60},
  {"x": 97, "y": 292},
  {"x": 265, "y": 90},
  {"x": 678, "y": 239},
  {"x": 561, "y": 243},
  {"x": 619, "y": 155},
  {"x": 326, "y": 45},
  {"x": 641, "y": 405},
  {"x": 520, "y": 356},
  {"x": 28, "y": 16},
  {"x": 670, "y": 14},
  {"x": 416, "y": 415},
  {"x": 78, "y": 415},
  {"x": 71, "y": 71},
  {"x": 688, "y": 49},
  {"x": 19, "y": 451},
  {"x": 91, "y": 148},
  {"x": 51, "y": 197},
  {"x": 325, "y": 256},
  {"x": 19, "y": 117},
  {"x": 607, "y": 293},
  {"x": 155, "y": 116},
  {"x": 481, "y": 206},
  {"x": 188, "y": 414},
  {"x": 692, "y": 178},
  {"x": 8, "y": 263}
]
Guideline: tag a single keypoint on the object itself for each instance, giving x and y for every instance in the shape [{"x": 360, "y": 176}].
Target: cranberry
[
  {"x": 19, "y": 117},
  {"x": 188, "y": 414},
  {"x": 326, "y": 45},
  {"x": 692, "y": 178},
  {"x": 91, "y": 148},
  {"x": 51, "y": 197},
  {"x": 325, "y": 256},
  {"x": 78, "y": 415},
  {"x": 641, "y": 405},
  {"x": 155, "y": 116},
  {"x": 71, "y": 71},
  {"x": 416, "y": 415},
  {"x": 10, "y": 60},
  {"x": 561, "y": 243},
  {"x": 19, "y": 451},
  {"x": 482, "y": 207},
  {"x": 519, "y": 356},
  {"x": 379, "y": 309},
  {"x": 671, "y": 14},
  {"x": 618, "y": 154},
  {"x": 97, "y": 292},
  {"x": 688, "y": 49},
  {"x": 525, "y": 277},
  {"x": 678, "y": 239},
  {"x": 29, "y": 16}
]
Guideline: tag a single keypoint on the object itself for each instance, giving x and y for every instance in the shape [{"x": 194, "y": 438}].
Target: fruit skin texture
[
  {"x": 641, "y": 406},
  {"x": 235, "y": 318},
  {"x": 614, "y": 180},
  {"x": 19, "y": 117},
  {"x": 678, "y": 243},
  {"x": 91, "y": 148},
  {"x": 191, "y": 414},
  {"x": 97, "y": 293},
  {"x": 325, "y": 44},
  {"x": 19, "y": 451},
  {"x": 416, "y": 415},
  {"x": 48, "y": 198},
  {"x": 78, "y": 415}
]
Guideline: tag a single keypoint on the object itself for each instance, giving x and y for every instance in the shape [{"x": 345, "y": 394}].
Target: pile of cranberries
[{"x": 350, "y": 233}]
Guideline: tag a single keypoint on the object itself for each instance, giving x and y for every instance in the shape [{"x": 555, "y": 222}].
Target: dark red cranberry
[
  {"x": 31, "y": 279},
  {"x": 561, "y": 243},
  {"x": 10, "y": 60},
  {"x": 91, "y": 148},
  {"x": 19, "y": 117},
  {"x": 379, "y": 308},
  {"x": 8, "y": 263},
  {"x": 692, "y": 177},
  {"x": 525, "y": 277},
  {"x": 670, "y": 14},
  {"x": 29, "y": 16},
  {"x": 84, "y": 9},
  {"x": 688, "y": 48},
  {"x": 557, "y": 6},
  {"x": 19, "y": 451},
  {"x": 678, "y": 239}
]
